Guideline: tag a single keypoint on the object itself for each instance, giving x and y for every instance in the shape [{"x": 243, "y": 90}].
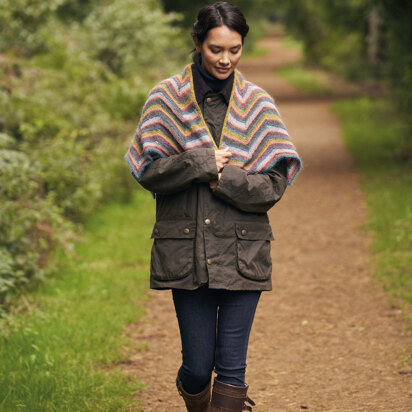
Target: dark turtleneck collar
[{"x": 204, "y": 83}]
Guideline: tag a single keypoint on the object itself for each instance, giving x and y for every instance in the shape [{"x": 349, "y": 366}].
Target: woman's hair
[{"x": 219, "y": 14}]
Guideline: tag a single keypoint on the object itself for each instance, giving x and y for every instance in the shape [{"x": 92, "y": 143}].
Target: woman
[{"x": 212, "y": 148}]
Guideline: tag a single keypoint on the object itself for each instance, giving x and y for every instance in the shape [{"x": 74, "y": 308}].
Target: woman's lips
[{"x": 222, "y": 70}]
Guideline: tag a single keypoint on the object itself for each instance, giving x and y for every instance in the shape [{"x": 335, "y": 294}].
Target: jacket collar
[{"x": 202, "y": 88}]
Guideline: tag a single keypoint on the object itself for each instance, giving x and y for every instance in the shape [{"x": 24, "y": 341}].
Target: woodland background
[
  {"x": 74, "y": 75},
  {"x": 74, "y": 244}
]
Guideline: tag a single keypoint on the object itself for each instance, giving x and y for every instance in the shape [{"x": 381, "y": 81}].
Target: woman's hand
[
  {"x": 222, "y": 157},
  {"x": 213, "y": 184}
]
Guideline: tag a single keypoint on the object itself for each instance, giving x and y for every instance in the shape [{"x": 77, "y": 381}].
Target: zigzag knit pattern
[{"x": 172, "y": 123}]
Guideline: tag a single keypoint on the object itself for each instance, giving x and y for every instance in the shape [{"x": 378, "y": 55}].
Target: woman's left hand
[{"x": 213, "y": 184}]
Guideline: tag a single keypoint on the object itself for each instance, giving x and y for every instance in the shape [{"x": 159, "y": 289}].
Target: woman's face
[{"x": 220, "y": 51}]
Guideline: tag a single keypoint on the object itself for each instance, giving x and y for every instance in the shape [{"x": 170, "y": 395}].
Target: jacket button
[
  {"x": 208, "y": 99},
  {"x": 244, "y": 232},
  {"x": 209, "y": 261},
  {"x": 156, "y": 230},
  {"x": 186, "y": 231},
  {"x": 207, "y": 221}
]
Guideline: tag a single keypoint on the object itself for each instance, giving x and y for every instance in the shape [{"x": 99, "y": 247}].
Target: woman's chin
[{"x": 222, "y": 74}]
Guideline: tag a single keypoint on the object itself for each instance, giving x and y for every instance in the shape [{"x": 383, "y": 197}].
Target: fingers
[
  {"x": 222, "y": 157},
  {"x": 213, "y": 184},
  {"x": 220, "y": 165},
  {"x": 224, "y": 152}
]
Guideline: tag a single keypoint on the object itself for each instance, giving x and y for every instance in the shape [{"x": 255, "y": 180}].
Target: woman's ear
[{"x": 197, "y": 44}]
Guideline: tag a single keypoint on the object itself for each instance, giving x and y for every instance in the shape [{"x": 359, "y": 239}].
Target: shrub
[
  {"x": 24, "y": 25},
  {"x": 126, "y": 35},
  {"x": 30, "y": 224},
  {"x": 63, "y": 117}
]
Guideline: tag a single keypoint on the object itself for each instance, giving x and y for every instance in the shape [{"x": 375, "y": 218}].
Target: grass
[
  {"x": 289, "y": 42},
  {"x": 377, "y": 137},
  {"x": 254, "y": 52},
  {"x": 60, "y": 349},
  {"x": 307, "y": 80}
]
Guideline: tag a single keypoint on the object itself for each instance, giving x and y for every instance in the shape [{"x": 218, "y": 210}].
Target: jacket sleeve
[
  {"x": 175, "y": 173},
  {"x": 255, "y": 193}
]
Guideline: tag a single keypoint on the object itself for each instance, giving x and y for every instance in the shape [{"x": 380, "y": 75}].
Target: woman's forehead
[{"x": 223, "y": 36}]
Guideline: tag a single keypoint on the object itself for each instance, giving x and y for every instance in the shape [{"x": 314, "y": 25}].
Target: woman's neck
[{"x": 215, "y": 84}]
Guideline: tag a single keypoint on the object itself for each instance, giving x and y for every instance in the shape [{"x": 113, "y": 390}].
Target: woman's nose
[{"x": 224, "y": 59}]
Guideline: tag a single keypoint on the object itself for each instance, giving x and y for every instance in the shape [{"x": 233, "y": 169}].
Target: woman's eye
[{"x": 233, "y": 51}]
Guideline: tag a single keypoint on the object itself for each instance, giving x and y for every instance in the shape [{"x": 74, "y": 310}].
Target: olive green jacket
[{"x": 219, "y": 237}]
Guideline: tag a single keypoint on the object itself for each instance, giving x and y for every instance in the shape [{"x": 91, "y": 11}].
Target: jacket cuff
[
  {"x": 205, "y": 163},
  {"x": 230, "y": 178}
]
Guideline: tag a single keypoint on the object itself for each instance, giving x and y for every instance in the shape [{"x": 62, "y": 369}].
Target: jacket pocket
[
  {"x": 172, "y": 254},
  {"x": 253, "y": 250}
]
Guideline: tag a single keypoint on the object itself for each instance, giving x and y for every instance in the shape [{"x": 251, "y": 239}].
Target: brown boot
[
  {"x": 200, "y": 402},
  {"x": 227, "y": 397}
]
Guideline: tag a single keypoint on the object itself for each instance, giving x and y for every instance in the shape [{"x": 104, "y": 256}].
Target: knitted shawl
[{"x": 172, "y": 122}]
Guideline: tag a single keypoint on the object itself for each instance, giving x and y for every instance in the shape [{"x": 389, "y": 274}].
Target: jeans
[{"x": 214, "y": 328}]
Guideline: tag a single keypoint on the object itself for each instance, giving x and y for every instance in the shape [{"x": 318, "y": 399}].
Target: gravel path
[{"x": 325, "y": 339}]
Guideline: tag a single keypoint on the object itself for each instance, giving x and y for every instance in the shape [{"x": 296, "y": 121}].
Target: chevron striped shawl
[{"x": 172, "y": 123}]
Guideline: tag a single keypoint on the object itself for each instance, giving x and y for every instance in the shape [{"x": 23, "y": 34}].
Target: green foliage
[
  {"x": 398, "y": 17},
  {"x": 290, "y": 42},
  {"x": 338, "y": 35},
  {"x": 28, "y": 220},
  {"x": 387, "y": 181},
  {"x": 256, "y": 9},
  {"x": 306, "y": 80},
  {"x": 75, "y": 10},
  {"x": 65, "y": 117},
  {"x": 61, "y": 346},
  {"x": 124, "y": 35},
  {"x": 24, "y": 24},
  {"x": 333, "y": 33},
  {"x": 41, "y": 113}
]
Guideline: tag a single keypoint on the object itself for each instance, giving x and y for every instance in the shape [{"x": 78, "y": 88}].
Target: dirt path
[{"x": 325, "y": 339}]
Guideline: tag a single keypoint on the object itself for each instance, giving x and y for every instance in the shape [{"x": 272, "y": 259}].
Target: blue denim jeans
[{"x": 214, "y": 328}]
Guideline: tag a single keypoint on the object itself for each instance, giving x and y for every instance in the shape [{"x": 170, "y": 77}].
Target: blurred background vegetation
[{"x": 74, "y": 75}]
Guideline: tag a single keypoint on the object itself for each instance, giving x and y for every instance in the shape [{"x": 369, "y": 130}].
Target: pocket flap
[
  {"x": 254, "y": 231},
  {"x": 174, "y": 229}
]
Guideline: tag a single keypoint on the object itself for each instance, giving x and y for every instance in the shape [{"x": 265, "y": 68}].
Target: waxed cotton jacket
[{"x": 222, "y": 237}]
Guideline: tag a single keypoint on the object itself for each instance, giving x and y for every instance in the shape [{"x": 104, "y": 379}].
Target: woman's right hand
[{"x": 222, "y": 157}]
